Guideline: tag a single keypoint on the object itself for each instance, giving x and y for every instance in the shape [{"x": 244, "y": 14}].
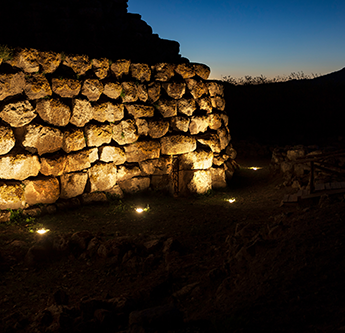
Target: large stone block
[
  {"x": 198, "y": 159},
  {"x": 12, "y": 196},
  {"x": 154, "y": 91},
  {"x": 54, "y": 111},
  {"x": 218, "y": 177},
  {"x": 175, "y": 89},
  {"x": 73, "y": 184},
  {"x": 186, "y": 106},
  {"x": 18, "y": 114},
  {"x": 197, "y": 88},
  {"x": 180, "y": 123},
  {"x": 81, "y": 160},
  {"x": 129, "y": 92},
  {"x": 82, "y": 112},
  {"x": 80, "y": 64},
  {"x": 141, "y": 72},
  {"x": 73, "y": 140},
  {"x": 19, "y": 166},
  {"x": 215, "y": 89},
  {"x": 203, "y": 71},
  {"x": 212, "y": 141},
  {"x": 198, "y": 181},
  {"x": 158, "y": 128},
  {"x": 53, "y": 166},
  {"x": 92, "y": 89},
  {"x": 158, "y": 166},
  {"x": 205, "y": 103},
  {"x": 120, "y": 67},
  {"x": 214, "y": 121},
  {"x": 41, "y": 191},
  {"x": 11, "y": 84},
  {"x": 108, "y": 112},
  {"x": 167, "y": 108},
  {"x": 112, "y": 90},
  {"x": 164, "y": 71},
  {"x": 37, "y": 86},
  {"x": 26, "y": 59},
  {"x": 66, "y": 88},
  {"x": 7, "y": 140},
  {"x": 140, "y": 111},
  {"x": 142, "y": 93},
  {"x": 224, "y": 137},
  {"x": 112, "y": 154},
  {"x": 198, "y": 124},
  {"x": 102, "y": 176},
  {"x": 42, "y": 139},
  {"x": 185, "y": 70},
  {"x": 135, "y": 185},
  {"x": 101, "y": 67},
  {"x": 141, "y": 151},
  {"x": 98, "y": 135},
  {"x": 125, "y": 132},
  {"x": 127, "y": 172},
  {"x": 142, "y": 126},
  {"x": 49, "y": 61},
  {"x": 177, "y": 144},
  {"x": 218, "y": 103}
]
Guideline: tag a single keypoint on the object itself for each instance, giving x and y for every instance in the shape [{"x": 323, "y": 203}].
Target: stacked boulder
[{"x": 73, "y": 126}]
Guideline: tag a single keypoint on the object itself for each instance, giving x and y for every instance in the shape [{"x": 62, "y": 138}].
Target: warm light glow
[
  {"x": 255, "y": 168},
  {"x": 42, "y": 231},
  {"x": 232, "y": 200},
  {"x": 139, "y": 210}
]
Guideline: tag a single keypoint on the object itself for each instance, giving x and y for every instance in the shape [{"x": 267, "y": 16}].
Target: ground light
[
  {"x": 231, "y": 200},
  {"x": 42, "y": 231},
  {"x": 140, "y": 210},
  {"x": 254, "y": 168}
]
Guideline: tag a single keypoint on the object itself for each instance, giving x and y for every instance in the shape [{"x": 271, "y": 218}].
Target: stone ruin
[{"x": 77, "y": 127}]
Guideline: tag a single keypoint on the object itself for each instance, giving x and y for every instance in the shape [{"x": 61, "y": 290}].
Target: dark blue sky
[{"x": 252, "y": 37}]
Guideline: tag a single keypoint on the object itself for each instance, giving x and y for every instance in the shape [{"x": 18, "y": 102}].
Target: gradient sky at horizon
[{"x": 252, "y": 37}]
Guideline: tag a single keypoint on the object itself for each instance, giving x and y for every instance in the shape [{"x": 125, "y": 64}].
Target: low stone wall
[{"x": 73, "y": 126}]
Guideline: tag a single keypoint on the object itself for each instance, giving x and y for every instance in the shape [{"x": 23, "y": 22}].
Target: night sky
[{"x": 252, "y": 37}]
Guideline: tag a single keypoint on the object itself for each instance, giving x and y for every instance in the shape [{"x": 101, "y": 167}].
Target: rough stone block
[
  {"x": 120, "y": 67},
  {"x": 177, "y": 144},
  {"x": 214, "y": 121},
  {"x": 135, "y": 185},
  {"x": 140, "y": 111},
  {"x": 154, "y": 91},
  {"x": 175, "y": 89},
  {"x": 98, "y": 135},
  {"x": 112, "y": 154},
  {"x": 198, "y": 124},
  {"x": 180, "y": 123},
  {"x": 73, "y": 184},
  {"x": 167, "y": 108},
  {"x": 203, "y": 71},
  {"x": 198, "y": 159},
  {"x": 82, "y": 112},
  {"x": 215, "y": 89},
  {"x": 102, "y": 176},
  {"x": 19, "y": 166},
  {"x": 158, "y": 128},
  {"x": 112, "y": 90},
  {"x": 80, "y": 64},
  {"x": 12, "y": 196},
  {"x": 142, "y": 93},
  {"x": 49, "y": 61},
  {"x": 218, "y": 103},
  {"x": 186, "y": 106},
  {"x": 141, "y": 72},
  {"x": 142, "y": 126},
  {"x": 218, "y": 178},
  {"x": 125, "y": 132},
  {"x": 101, "y": 67},
  {"x": 92, "y": 89},
  {"x": 53, "y": 166},
  {"x": 129, "y": 92},
  {"x": 81, "y": 160},
  {"x": 141, "y": 151},
  {"x": 41, "y": 191},
  {"x": 205, "y": 103},
  {"x": 212, "y": 141},
  {"x": 26, "y": 59},
  {"x": 7, "y": 140},
  {"x": 158, "y": 166},
  {"x": 54, "y": 112},
  {"x": 108, "y": 112},
  {"x": 197, "y": 181},
  {"x": 11, "y": 84},
  {"x": 73, "y": 140},
  {"x": 18, "y": 114},
  {"x": 37, "y": 86},
  {"x": 185, "y": 70},
  {"x": 126, "y": 172},
  {"x": 164, "y": 71},
  {"x": 66, "y": 88}
]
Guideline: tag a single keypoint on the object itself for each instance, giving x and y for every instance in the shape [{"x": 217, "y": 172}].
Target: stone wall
[{"x": 73, "y": 126}]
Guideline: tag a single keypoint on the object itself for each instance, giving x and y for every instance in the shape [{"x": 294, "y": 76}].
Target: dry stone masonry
[{"x": 72, "y": 126}]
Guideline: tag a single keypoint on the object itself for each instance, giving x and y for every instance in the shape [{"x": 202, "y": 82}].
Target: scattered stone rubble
[{"x": 74, "y": 126}]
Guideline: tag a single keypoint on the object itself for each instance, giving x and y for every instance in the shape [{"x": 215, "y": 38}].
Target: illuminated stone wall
[{"x": 76, "y": 127}]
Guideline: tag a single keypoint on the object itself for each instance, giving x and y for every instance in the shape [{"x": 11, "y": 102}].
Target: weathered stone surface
[
  {"x": 18, "y": 114},
  {"x": 37, "y": 86},
  {"x": 41, "y": 191},
  {"x": 198, "y": 159},
  {"x": 218, "y": 103},
  {"x": 102, "y": 176},
  {"x": 154, "y": 91},
  {"x": 219, "y": 160},
  {"x": 212, "y": 141},
  {"x": 185, "y": 70},
  {"x": 175, "y": 89},
  {"x": 141, "y": 72},
  {"x": 54, "y": 112},
  {"x": 49, "y": 61},
  {"x": 12, "y": 196},
  {"x": 164, "y": 71},
  {"x": 53, "y": 166},
  {"x": 92, "y": 89},
  {"x": 186, "y": 106},
  {"x": 140, "y": 111},
  {"x": 167, "y": 108},
  {"x": 141, "y": 151},
  {"x": 125, "y": 173},
  {"x": 225, "y": 119},
  {"x": 72, "y": 184},
  {"x": 5, "y": 215},
  {"x": 197, "y": 88},
  {"x": 7, "y": 140},
  {"x": 135, "y": 185},
  {"x": 158, "y": 166},
  {"x": 198, "y": 124},
  {"x": 80, "y": 64},
  {"x": 93, "y": 197},
  {"x": 143, "y": 126},
  {"x": 205, "y": 103},
  {"x": 101, "y": 67},
  {"x": 231, "y": 152},
  {"x": 294, "y": 154},
  {"x": 214, "y": 121},
  {"x": 224, "y": 137},
  {"x": 108, "y": 112},
  {"x": 180, "y": 123},
  {"x": 26, "y": 59},
  {"x": 125, "y": 132},
  {"x": 142, "y": 93},
  {"x": 81, "y": 160},
  {"x": 98, "y": 135},
  {"x": 215, "y": 89},
  {"x": 120, "y": 67},
  {"x": 112, "y": 154},
  {"x": 129, "y": 92},
  {"x": 218, "y": 178},
  {"x": 196, "y": 181},
  {"x": 73, "y": 140},
  {"x": 112, "y": 90},
  {"x": 115, "y": 191},
  {"x": 42, "y": 139},
  {"x": 11, "y": 84},
  {"x": 82, "y": 112},
  {"x": 177, "y": 144},
  {"x": 203, "y": 71},
  {"x": 158, "y": 128},
  {"x": 229, "y": 169},
  {"x": 19, "y": 166},
  {"x": 66, "y": 88}
]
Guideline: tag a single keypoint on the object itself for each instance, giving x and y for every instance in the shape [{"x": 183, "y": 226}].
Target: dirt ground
[{"x": 248, "y": 266}]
